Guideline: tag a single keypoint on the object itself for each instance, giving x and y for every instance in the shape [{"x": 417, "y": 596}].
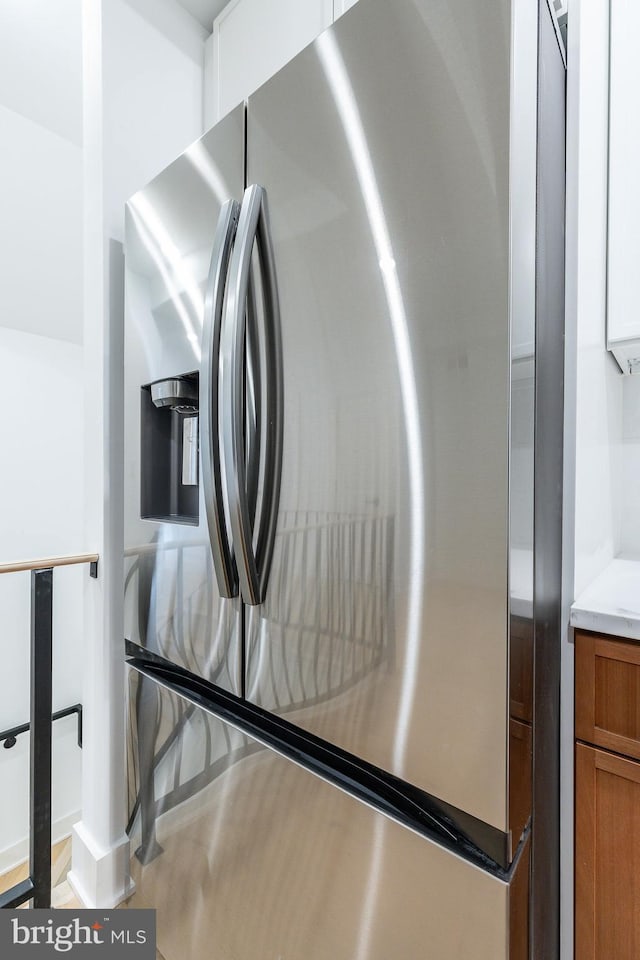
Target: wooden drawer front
[
  {"x": 608, "y": 693},
  {"x": 607, "y": 856}
]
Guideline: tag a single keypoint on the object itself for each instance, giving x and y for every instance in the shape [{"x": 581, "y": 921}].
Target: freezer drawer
[{"x": 259, "y": 858}]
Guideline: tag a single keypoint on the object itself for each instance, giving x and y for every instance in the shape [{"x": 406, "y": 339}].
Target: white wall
[
  {"x": 41, "y": 228},
  {"x": 599, "y": 383},
  {"x": 41, "y": 63},
  {"x": 608, "y": 404},
  {"x": 152, "y": 83},
  {"x": 40, "y": 490},
  {"x": 143, "y": 64},
  {"x": 629, "y": 468},
  {"x": 41, "y": 368}
]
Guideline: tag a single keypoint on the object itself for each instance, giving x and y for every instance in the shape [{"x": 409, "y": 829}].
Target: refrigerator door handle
[
  {"x": 223, "y": 561},
  {"x": 274, "y": 397},
  {"x": 253, "y": 401},
  {"x": 253, "y": 564}
]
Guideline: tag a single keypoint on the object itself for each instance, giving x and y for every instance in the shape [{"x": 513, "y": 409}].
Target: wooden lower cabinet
[
  {"x": 607, "y": 856},
  {"x": 608, "y": 693}
]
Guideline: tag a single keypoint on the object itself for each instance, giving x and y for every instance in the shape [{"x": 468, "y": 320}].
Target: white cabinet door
[
  {"x": 623, "y": 308},
  {"x": 252, "y": 39}
]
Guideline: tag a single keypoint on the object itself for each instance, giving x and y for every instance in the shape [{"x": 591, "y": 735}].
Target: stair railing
[{"x": 37, "y": 886}]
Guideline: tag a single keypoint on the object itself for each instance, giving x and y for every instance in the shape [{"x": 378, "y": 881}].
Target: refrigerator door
[
  {"x": 383, "y": 150},
  {"x": 251, "y": 856},
  {"x": 174, "y": 602}
]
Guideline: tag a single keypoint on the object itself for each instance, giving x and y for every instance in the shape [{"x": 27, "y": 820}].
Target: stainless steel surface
[
  {"x": 550, "y": 300},
  {"x": 388, "y": 501},
  {"x": 253, "y": 562},
  {"x": 179, "y": 395},
  {"x": 223, "y": 562},
  {"x": 390, "y": 219},
  {"x": 259, "y": 858},
  {"x": 190, "y": 451},
  {"x": 522, "y": 280},
  {"x": 172, "y": 604}
]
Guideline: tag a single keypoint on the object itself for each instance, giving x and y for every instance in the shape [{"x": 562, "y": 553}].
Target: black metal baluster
[
  {"x": 40, "y": 748},
  {"x": 37, "y": 887}
]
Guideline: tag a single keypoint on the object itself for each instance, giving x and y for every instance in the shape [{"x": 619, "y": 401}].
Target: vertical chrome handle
[
  {"x": 223, "y": 562},
  {"x": 274, "y": 400},
  {"x": 253, "y": 567},
  {"x": 253, "y": 401}
]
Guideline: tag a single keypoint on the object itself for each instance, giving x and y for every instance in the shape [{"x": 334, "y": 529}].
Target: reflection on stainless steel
[
  {"x": 522, "y": 280},
  {"x": 399, "y": 159},
  {"x": 170, "y": 592},
  {"x": 174, "y": 753},
  {"x": 520, "y": 723},
  {"x": 204, "y": 163},
  {"x": 392, "y": 245},
  {"x": 521, "y": 629},
  {"x": 374, "y": 889},
  {"x": 342, "y": 91},
  {"x": 171, "y": 601},
  {"x": 329, "y": 610},
  {"x": 341, "y": 633},
  {"x": 548, "y": 492},
  {"x": 256, "y": 858},
  {"x": 171, "y": 265}
]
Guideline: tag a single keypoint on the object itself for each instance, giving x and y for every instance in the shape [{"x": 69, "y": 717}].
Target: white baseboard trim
[
  {"x": 99, "y": 876},
  {"x": 18, "y": 853}
]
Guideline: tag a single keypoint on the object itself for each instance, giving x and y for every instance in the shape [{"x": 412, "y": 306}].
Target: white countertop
[{"x": 611, "y": 603}]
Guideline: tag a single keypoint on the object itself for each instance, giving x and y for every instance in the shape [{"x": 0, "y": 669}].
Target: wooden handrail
[{"x": 48, "y": 562}]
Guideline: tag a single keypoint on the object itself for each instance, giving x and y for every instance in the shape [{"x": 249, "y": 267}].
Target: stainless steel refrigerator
[{"x": 343, "y": 458}]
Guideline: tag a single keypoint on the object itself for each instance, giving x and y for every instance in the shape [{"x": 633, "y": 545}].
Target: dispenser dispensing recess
[
  {"x": 179, "y": 394},
  {"x": 169, "y": 449}
]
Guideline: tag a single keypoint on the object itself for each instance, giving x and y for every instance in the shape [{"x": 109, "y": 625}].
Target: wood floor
[{"x": 62, "y": 896}]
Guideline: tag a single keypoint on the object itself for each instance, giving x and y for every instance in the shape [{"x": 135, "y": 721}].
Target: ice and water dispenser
[{"x": 169, "y": 450}]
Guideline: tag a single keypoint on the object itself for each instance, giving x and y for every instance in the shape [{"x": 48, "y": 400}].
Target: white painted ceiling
[{"x": 204, "y": 10}]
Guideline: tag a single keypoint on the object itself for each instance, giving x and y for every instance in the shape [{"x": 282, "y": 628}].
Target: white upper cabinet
[
  {"x": 623, "y": 307},
  {"x": 252, "y": 39}
]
